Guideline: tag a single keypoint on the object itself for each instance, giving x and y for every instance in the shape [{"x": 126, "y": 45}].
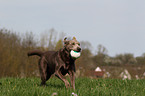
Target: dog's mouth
[
  {"x": 78, "y": 49},
  {"x": 75, "y": 54}
]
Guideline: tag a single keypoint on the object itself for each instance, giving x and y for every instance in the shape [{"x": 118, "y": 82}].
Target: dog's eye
[
  {"x": 79, "y": 44},
  {"x": 73, "y": 43}
]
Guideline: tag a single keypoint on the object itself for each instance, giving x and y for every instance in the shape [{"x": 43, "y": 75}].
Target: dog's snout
[{"x": 78, "y": 48}]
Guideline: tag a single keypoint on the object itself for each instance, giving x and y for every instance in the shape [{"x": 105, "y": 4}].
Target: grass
[{"x": 84, "y": 87}]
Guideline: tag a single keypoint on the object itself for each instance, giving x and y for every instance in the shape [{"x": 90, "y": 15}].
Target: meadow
[{"x": 84, "y": 87}]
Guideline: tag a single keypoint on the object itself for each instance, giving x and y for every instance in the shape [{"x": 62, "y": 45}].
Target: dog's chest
[{"x": 64, "y": 70}]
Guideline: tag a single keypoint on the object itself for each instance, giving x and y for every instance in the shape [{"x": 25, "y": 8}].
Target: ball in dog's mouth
[{"x": 75, "y": 54}]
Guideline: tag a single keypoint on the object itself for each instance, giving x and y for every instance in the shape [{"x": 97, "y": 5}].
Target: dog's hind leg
[
  {"x": 48, "y": 76},
  {"x": 43, "y": 68}
]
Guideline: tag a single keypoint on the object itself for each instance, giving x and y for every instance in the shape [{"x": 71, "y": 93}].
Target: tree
[
  {"x": 52, "y": 39},
  {"x": 28, "y": 40},
  {"x": 141, "y": 59},
  {"x": 85, "y": 60},
  {"x": 86, "y": 45},
  {"x": 101, "y": 50},
  {"x": 126, "y": 58},
  {"x": 59, "y": 45},
  {"x": 99, "y": 59}
]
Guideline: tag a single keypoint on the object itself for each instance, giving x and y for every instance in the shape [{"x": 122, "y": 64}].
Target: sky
[{"x": 118, "y": 25}]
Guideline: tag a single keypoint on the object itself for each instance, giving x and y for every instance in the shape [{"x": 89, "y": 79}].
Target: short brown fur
[{"x": 58, "y": 62}]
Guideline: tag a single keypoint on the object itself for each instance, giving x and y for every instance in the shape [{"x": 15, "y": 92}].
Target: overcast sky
[{"x": 119, "y": 25}]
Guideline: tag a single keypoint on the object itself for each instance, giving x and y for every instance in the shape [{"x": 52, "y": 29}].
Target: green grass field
[{"x": 84, "y": 87}]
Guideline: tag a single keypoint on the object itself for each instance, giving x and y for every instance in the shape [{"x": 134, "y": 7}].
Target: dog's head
[{"x": 72, "y": 45}]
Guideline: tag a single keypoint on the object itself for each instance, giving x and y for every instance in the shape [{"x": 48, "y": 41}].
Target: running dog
[{"x": 58, "y": 62}]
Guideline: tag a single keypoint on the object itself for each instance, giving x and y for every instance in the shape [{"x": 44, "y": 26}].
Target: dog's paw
[{"x": 67, "y": 84}]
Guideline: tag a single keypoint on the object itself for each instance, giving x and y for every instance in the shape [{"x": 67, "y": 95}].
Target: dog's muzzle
[
  {"x": 78, "y": 49},
  {"x": 75, "y": 54}
]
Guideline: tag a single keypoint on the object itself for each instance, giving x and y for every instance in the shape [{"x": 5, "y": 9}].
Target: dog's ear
[
  {"x": 66, "y": 41},
  {"x": 74, "y": 38},
  {"x": 65, "y": 38}
]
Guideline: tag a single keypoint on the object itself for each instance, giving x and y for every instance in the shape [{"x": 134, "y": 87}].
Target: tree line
[{"x": 15, "y": 62}]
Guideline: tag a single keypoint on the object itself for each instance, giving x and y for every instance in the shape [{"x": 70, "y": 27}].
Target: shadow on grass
[
  {"x": 52, "y": 85},
  {"x": 56, "y": 85}
]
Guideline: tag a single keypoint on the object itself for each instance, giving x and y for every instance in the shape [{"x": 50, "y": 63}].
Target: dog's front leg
[
  {"x": 72, "y": 78},
  {"x": 60, "y": 76}
]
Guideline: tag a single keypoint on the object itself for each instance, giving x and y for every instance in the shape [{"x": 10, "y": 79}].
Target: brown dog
[{"x": 58, "y": 62}]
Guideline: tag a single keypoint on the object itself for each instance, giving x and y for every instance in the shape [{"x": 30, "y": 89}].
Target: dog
[{"x": 58, "y": 62}]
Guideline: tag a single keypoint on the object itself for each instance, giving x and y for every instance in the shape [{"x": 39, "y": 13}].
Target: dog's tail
[{"x": 35, "y": 52}]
